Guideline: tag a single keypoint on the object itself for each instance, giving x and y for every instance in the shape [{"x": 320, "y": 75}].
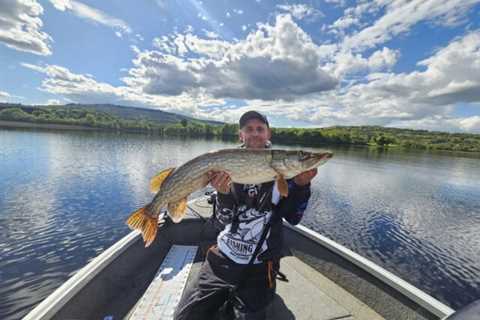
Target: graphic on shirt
[
  {"x": 252, "y": 190},
  {"x": 240, "y": 242}
]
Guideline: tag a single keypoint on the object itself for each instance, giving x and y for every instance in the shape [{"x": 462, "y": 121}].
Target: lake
[{"x": 64, "y": 197}]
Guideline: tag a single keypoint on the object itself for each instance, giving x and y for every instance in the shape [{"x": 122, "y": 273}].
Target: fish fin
[
  {"x": 147, "y": 225},
  {"x": 282, "y": 186},
  {"x": 177, "y": 210},
  {"x": 157, "y": 181}
]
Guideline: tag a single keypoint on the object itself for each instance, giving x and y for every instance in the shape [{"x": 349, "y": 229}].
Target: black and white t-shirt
[{"x": 248, "y": 213}]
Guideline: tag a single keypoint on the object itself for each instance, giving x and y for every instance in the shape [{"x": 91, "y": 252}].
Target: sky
[{"x": 405, "y": 64}]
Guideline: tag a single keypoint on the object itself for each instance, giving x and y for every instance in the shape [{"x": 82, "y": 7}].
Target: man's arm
[{"x": 292, "y": 207}]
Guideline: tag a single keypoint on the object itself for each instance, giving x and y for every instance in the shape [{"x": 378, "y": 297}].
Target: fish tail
[{"x": 140, "y": 220}]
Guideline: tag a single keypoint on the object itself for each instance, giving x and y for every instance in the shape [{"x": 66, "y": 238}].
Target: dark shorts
[{"x": 249, "y": 290}]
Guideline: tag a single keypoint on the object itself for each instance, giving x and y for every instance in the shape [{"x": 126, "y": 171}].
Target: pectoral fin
[
  {"x": 177, "y": 210},
  {"x": 157, "y": 181},
  {"x": 282, "y": 186}
]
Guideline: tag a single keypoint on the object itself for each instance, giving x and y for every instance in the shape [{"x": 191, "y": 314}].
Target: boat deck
[{"x": 307, "y": 294}]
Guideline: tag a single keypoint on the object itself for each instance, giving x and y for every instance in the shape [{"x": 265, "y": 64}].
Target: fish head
[{"x": 293, "y": 162}]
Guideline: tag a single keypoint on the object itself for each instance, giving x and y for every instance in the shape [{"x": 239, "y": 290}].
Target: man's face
[{"x": 255, "y": 134}]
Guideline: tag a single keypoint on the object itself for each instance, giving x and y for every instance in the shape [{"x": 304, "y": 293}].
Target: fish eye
[{"x": 304, "y": 155}]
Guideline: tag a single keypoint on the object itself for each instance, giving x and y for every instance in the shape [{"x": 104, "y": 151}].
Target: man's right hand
[{"x": 220, "y": 181}]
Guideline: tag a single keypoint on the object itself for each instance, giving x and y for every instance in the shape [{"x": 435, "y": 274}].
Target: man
[{"x": 252, "y": 216}]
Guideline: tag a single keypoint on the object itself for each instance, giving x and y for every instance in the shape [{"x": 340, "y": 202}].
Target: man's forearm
[{"x": 293, "y": 207}]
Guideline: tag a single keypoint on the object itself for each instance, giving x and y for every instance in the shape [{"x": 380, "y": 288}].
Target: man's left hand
[{"x": 304, "y": 178}]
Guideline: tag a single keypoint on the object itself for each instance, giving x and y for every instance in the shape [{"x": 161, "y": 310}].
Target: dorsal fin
[{"x": 157, "y": 181}]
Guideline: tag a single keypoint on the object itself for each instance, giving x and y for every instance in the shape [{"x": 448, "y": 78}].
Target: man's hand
[
  {"x": 304, "y": 178},
  {"x": 220, "y": 181}
]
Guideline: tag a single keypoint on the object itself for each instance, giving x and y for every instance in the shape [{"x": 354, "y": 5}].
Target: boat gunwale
[
  {"x": 63, "y": 294},
  {"x": 418, "y": 296}
]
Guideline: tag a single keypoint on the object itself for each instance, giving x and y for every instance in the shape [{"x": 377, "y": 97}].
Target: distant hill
[
  {"x": 156, "y": 122},
  {"x": 122, "y": 112}
]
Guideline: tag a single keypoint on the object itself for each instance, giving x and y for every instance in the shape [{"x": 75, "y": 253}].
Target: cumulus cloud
[
  {"x": 301, "y": 11},
  {"x": 400, "y": 16},
  {"x": 277, "y": 61},
  {"x": 20, "y": 27},
  {"x": 470, "y": 123},
  {"x": 74, "y": 86},
  {"x": 4, "y": 95},
  {"x": 419, "y": 99},
  {"x": 452, "y": 75},
  {"x": 346, "y": 62},
  {"x": 344, "y": 23},
  {"x": 91, "y": 14},
  {"x": 85, "y": 89},
  {"x": 52, "y": 102}
]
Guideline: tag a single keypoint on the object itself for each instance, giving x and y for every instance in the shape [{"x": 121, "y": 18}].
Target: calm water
[{"x": 64, "y": 198}]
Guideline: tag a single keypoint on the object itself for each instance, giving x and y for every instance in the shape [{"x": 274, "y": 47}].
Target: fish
[{"x": 245, "y": 166}]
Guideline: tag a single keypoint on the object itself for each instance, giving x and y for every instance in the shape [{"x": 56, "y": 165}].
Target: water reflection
[{"x": 64, "y": 198}]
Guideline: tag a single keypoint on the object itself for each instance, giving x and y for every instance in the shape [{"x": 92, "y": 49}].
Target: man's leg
[
  {"x": 205, "y": 297},
  {"x": 254, "y": 296}
]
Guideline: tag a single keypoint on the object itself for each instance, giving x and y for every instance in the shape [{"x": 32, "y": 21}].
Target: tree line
[{"x": 376, "y": 136}]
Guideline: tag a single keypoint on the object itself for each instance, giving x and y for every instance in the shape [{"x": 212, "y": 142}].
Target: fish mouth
[
  {"x": 318, "y": 158},
  {"x": 322, "y": 155}
]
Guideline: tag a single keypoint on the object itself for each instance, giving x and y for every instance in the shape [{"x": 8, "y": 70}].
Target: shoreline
[
  {"x": 21, "y": 124},
  {"x": 61, "y": 127}
]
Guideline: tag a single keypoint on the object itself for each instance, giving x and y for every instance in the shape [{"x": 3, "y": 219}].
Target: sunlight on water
[{"x": 64, "y": 198}]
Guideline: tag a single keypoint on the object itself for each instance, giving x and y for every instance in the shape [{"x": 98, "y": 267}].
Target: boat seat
[{"x": 165, "y": 290}]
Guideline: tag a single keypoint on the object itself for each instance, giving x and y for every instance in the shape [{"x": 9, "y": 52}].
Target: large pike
[{"x": 245, "y": 166}]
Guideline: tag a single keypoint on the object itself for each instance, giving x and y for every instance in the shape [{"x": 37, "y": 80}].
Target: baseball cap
[{"x": 252, "y": 115}]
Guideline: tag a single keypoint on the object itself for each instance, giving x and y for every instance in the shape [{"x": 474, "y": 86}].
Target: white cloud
[
  {"x": 52, "y": 102},
  {"x": 340, "y": 3},
  {"x": 300, "y": 11},
  {"x": 452, "y": 74},
  {"x": 85, "y": 89},
  {"x": 471, "y": 123},
  {"x": 400, "y": 16},
  {"x": 91, "y": 14},
  {"x": 349, "y": 63},
  {"x": 419, "y": 99},
  {"x": 344, "y": 22},
  {"x": 277, "y": 61},
  {"x": 442, "y": 123},
  {"x": 20, "y": 27},
  {"x": 74, "y": 86},
  {"x": 4, "y": 96},
  {"x": 210, "y": 34},
  {"x": 238, "y": 11}
]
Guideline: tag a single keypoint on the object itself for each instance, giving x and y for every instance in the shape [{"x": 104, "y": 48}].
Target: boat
[{"x": 323, "y": 279}]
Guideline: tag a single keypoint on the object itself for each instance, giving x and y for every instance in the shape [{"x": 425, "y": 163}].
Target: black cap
[{"x": 252, "y": 115}]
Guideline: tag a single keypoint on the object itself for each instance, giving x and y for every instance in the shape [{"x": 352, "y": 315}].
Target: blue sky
[{"x": 412, "y": 64}]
